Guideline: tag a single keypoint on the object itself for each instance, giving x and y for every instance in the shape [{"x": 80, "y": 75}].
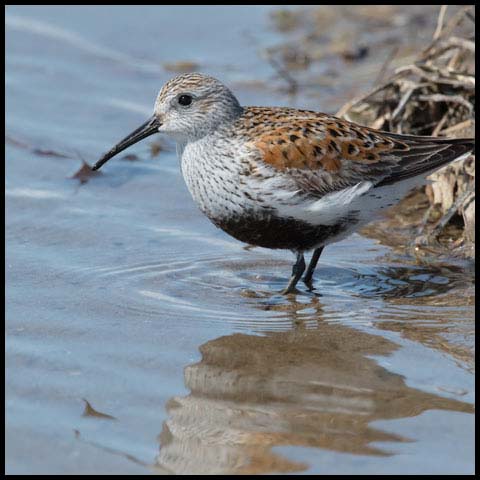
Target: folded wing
[{"x": 324, "y": 154}]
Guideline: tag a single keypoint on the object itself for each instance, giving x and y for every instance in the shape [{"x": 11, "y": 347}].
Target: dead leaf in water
[
  {"x": 357, "y": 53},
  {"x": 85, "y": 172},
  {"x": 158, "y": 146},
  {"x": 181, "y": 66},
  {"x": 49, "y": 153},
  {"x": 37, "y": 151},
  {"x": 155, "y": 148},
  {"x": 131, "y": 157},
  {"x": 91, "y": 412},
  {"x": 16, "y": 143}
]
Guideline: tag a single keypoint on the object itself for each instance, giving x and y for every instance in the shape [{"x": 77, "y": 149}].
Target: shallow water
[{"x": 121, "y": 294}]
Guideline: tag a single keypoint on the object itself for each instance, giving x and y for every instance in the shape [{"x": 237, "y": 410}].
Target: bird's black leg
[
  {"x": 297, "y": 272},
  {"x": 307, "y": 279}
]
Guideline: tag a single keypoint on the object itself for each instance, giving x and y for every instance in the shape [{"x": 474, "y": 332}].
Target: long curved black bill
[{"x": 148, "y": 128}]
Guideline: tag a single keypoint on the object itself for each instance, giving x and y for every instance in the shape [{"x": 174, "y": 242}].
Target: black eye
[{"x": 185, "y": 100}]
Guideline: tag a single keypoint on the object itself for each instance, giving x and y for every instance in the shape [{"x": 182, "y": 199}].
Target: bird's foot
[
  {"x": 289, "y": 289},
  {"x": 309, "y": 283},
  {"x": 297, "y": 273}
]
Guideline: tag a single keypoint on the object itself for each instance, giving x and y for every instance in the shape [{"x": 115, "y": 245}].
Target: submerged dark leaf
[
  {"x": 156, "y": 148},
  {"x": 181, "y": 66},
  {"x": 49, "y": 153},
  {"x": 85, "y": 172},
  {"x": 16, "y": 143},
  {"x": 131, "y": 157},
  {"x": 358, "y": 53},
  {"x": 89, "y": 411}
]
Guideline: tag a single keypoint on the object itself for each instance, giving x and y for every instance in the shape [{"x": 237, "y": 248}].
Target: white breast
[{"x": 213, "y": 177}]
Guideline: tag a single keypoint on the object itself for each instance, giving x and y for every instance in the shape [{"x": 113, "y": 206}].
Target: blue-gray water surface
[{"x": 141, "y": 339}]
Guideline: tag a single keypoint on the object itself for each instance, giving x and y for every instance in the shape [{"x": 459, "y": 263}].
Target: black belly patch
[{"x": 269, "y": 231}]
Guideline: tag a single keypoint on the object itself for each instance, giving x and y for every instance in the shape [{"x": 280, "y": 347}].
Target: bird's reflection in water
[{"x": 310, "y": 387}]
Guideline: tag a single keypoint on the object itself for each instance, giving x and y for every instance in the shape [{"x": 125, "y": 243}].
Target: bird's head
[{"x": 187, "y": 108}]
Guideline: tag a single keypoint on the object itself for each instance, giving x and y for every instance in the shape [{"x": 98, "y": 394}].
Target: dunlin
[{"x": 284, "y": 178}]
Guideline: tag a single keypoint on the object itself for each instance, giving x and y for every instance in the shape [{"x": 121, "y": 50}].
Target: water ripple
[{"x": 245, "y": 292}]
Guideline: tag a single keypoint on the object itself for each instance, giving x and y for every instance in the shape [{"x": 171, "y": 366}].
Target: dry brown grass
[{"x": 435, "y": 95}]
